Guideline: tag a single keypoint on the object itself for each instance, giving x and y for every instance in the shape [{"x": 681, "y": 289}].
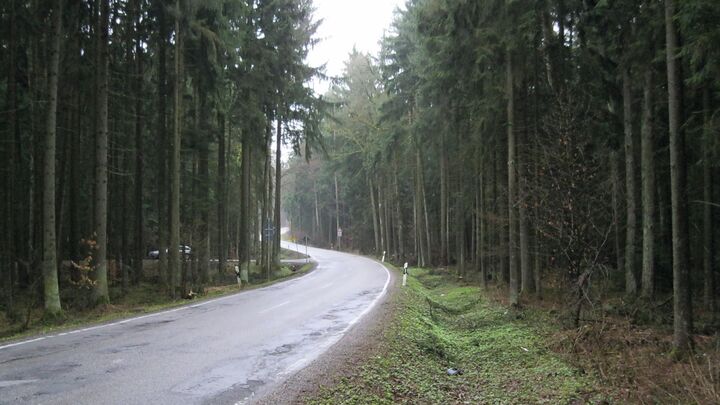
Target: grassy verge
[
  {"x": 442, "y": 325},
  {"x": 142, "y": 299}
]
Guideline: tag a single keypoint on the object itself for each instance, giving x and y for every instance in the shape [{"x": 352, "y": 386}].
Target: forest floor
[
  {"x": 515, "y": 356},
  {"x": 147, "y": 297}
]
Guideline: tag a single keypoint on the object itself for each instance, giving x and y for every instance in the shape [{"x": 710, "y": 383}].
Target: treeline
[
  {"x": 559, "y": 143},
  {"x": 137, "y": 125}
]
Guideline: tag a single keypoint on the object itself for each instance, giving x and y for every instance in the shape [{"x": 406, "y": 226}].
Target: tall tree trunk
[
  {"x": 376, "y": 229},
  {"x": 709, "y": 296},
  {"x": 337, "y": 215},
  {"x": 647, "y": 147},
  {"x": 630, "y": 187},
  {"x": 482, "y": 230},
  {"x": 101, "y": 295},
  {"x": 443, "y": 201},
  {"x": 615, "y": 180},
  {"x": 678, "y": 184},
  {"x": 174, "y": 166},
  {"x": 318, "y": 225},
  {"x": 11, "y": 236},
  {"x": 512, "y": 183},
  {"x": 244, "y": 231},
  {"x": 398, "y": 217},
  {"x": 222, "y": 227},
  {"x": 50, "y": 268},
  {"x": 426, "y": 225},
  {"x": 162, "y": 196},
  {"x": 526, "y": 278},
  {"x": 278, "y": 189},
  {"x": 139, "y": 151},
  {"x": 203, "y": 206}
]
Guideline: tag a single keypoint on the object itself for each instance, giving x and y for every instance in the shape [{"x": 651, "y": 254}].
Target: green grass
[{"x": 441, "y": 325}]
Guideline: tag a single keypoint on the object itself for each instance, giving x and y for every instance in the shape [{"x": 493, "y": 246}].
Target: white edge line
[
  {"x": 336, "y": 338},
  {"x": 137, "y": 318},
  {"x": 375, "y": 301}
]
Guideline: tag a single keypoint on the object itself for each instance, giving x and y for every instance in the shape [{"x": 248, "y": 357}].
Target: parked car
[{"x": 183, "y": 249}]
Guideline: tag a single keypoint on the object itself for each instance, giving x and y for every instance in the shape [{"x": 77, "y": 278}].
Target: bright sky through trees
[{"x": 348, "y": 23}]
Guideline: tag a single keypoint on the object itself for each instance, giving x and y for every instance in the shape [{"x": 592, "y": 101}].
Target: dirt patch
[{"x": 361, "y": 342}]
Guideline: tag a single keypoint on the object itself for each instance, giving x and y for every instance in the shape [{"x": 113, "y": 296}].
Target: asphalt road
[{"x": 228, "y": 350}]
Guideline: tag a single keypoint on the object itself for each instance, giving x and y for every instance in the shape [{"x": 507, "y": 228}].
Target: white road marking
[
  {"x": 326, "y": 286},
  {"x": 124, "y": 321},
  {"x": 10, "y": 383},
  {"x": 274, "y": 307}
]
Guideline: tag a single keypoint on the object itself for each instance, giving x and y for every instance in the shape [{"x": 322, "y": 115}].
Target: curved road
[{"x": 227, "y": 350}]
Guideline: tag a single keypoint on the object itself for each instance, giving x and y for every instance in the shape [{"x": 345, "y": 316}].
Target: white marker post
[
  {"x": 383, "y": 258},
  {"x": 237, "y": 275},
  {"x": 405, "y": 273}
]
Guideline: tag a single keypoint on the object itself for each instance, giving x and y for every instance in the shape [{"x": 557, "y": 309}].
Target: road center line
[{"x": 274, "y": 307}]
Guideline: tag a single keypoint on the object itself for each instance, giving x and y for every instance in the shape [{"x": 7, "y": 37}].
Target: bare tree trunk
[
  {"x": 709, "y": 296},
  {"x": 615, "y": 179},
  {"x": 443, "y": 202},
  {"x": 278, "y": 174},
  {"x": 318, "y": 225},
  {"x": 50, "y": 266},
  {"x": 337, "y": 215},
  {"x": 647, "y": 147},
  {"x": 243, "y": 232},
  {"x": 174, "y": 166},
  {"x": 398, "y": 217},
  {"x": 139, "y": 151},
  {"x": 526, "y": 279},
  {"x": 512, "y": 184},
  {"x": 376, "y": 229},
  {"x": 222, "y": 218},
  {"x": 11, "y": 235},
  {"x": 630, "y": 188},
  {"x": 678, "y": 180},
  {"x": 101, "y": 295},
  {"x": 426, "y": 225},
  {"x": 162, "y": 196}
]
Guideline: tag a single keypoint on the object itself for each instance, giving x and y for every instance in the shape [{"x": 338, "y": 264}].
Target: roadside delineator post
[
  {"x": 383, "y": 258},
  {"x": 405, "y": 274},
  {"x": 237, "y": 275}
]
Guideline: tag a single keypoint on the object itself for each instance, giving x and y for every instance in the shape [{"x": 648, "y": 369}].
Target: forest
[
  {"x": 132, "y": 126},
  {"x": 561, "y": 148}
]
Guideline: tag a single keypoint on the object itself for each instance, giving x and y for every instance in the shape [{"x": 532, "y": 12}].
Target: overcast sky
[{"x": 348, "y": 23}]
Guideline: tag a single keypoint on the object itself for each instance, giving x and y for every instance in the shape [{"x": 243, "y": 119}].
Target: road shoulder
[{"x": 360, "y": 342}]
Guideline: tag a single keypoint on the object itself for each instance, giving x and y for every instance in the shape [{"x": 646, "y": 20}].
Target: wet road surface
[{"x": 227, "y": 350}]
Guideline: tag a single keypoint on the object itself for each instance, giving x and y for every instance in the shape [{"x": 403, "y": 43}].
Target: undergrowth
[{"x": 443, "y": 325}]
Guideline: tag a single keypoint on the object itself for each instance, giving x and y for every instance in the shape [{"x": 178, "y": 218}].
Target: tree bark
[
  {"x": 443, "y": 202},
  {"x": 630, "y": 188},
  {"x": 512, "y": 183},
  {"x": 174, "y": 166},
  {"x": 376, "y": 229},
  {"x": 709, "y": 296},
  {"x": 139, "y": 152},
  {"x": 647, "y": 147},
  {"x": 682, "y": 322},
  {"x": 162, "y": 196},
  {"x": 398, "y": 217},
  {"x": 278, "y": 189},
  {"x": 100, "y": 292},
  {"x": 51, "y": 288},
  {"x": 222, "y": 219},
  {"x": 615, "y": 179}
]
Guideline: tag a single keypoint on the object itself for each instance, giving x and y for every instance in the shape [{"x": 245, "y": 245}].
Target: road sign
[
  {"x": 339, "y": 233},
  {"x": 269, "y": 230}
]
